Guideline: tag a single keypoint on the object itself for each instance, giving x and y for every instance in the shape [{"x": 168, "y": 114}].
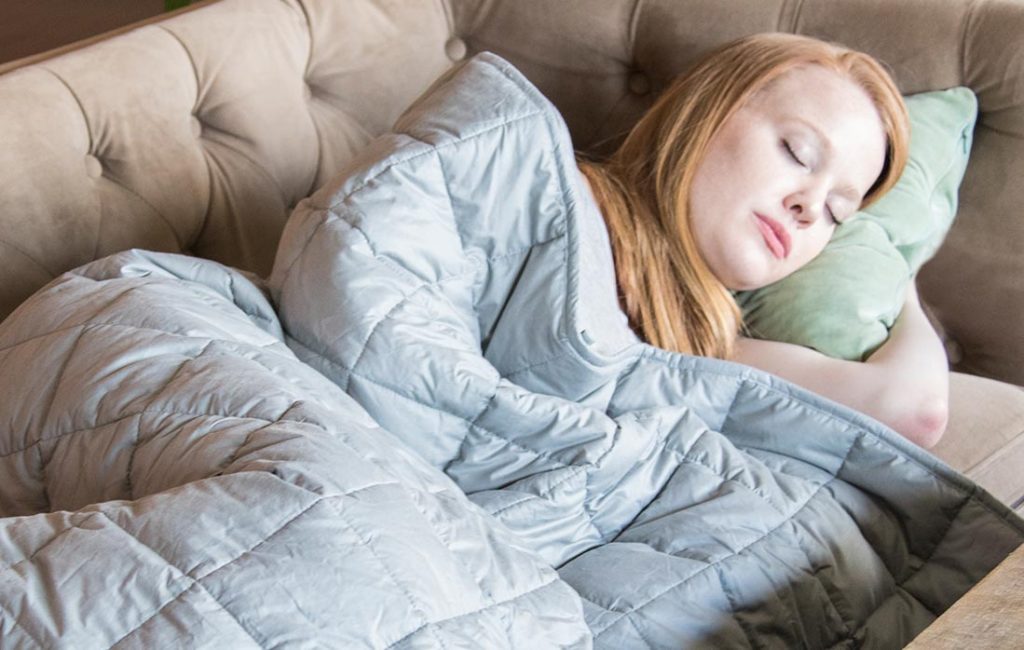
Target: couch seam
[
  {"x": 128, "y": 483},
  {"x": 258, "y": 166},
  {"x": 48, "y": 502},
  {"x": 632, "y": 27},
  {"x": 306, "y": 73},
  {"x": 78, "y": 101},
  {"x": 971, "y": 14}
]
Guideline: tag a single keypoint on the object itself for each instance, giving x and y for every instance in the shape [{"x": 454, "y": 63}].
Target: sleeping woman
[
  {"x": 737, "y": 177},
  {"x": 459, "y": 283}
]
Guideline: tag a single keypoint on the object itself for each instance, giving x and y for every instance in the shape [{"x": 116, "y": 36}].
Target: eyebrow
[{"x": 848, "y": 192}]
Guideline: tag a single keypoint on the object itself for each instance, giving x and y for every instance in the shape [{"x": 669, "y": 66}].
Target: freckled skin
[{"x": 769, "y": 159}]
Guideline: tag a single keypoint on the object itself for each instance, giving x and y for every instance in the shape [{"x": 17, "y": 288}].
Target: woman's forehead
[
  {"x": 813, "y": 86},
  {"x": 834, "y": 105}
]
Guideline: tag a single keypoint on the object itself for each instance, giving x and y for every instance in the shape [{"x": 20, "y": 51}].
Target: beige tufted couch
[{"x": 199, "y": 132}]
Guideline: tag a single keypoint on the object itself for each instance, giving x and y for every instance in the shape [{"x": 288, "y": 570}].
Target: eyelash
[
  {"x": 792, "y": 154},
  {"x": 796, "y": 159}
]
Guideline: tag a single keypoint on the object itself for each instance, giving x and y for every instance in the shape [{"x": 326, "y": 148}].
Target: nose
[{"x": 804, "y": 206}]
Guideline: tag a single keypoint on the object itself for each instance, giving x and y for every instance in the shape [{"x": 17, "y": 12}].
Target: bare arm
[{"x": 904, "y": 384}]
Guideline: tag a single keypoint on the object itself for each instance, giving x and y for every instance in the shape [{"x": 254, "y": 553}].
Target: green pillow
[{"x": 845, "y": 300}]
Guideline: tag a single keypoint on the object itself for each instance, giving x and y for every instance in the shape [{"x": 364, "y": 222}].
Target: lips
[{"x": 775, "y": 236}]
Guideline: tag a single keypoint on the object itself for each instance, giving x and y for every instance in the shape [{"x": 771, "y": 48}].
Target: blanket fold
[{"x": 173, "y": 475}]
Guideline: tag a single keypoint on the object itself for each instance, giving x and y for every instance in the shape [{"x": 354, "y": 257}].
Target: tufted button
[
  {"x": 307, "y": 91},
  {"x": 93, "y": 166},
  {"x": 639, "y": 83},
  {"x": 197, "y": 126},
  {"x": 455, "y": 48}
]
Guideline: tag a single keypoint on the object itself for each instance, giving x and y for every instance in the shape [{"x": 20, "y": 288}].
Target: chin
[
  {"x": 746, "y": 271},
  {"x": 747, "y": 281}
]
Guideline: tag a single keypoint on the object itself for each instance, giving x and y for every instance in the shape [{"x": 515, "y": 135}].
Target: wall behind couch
[{"x": 31, "y": 26}]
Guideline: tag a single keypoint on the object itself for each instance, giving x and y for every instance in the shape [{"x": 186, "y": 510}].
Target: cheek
[{"x": 816, "y": 242}]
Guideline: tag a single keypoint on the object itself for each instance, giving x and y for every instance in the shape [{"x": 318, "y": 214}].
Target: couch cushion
[{"x": 985, "y": 437}]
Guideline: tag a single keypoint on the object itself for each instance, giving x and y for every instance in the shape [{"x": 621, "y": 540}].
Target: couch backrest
[{"x": 200, "y": 132}]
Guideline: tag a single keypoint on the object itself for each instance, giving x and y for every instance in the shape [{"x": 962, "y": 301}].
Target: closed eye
[
  {"x": 832, "y": 216},
  {"x": 792, "y": 154}
]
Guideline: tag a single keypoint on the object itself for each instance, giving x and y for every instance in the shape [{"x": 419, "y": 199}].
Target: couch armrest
[{"x": 985, "y": 436}]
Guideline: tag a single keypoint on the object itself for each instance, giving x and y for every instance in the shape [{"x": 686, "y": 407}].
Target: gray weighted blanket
[
  {"x": 172, "y": 476},
  {"x": 457, "y": 283},
  {"x": 178, "y": 470}
]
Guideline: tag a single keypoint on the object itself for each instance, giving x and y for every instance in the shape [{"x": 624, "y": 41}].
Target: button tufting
[
  {"x": 639, "y": 84},
  {"x": 455, "y": 48},
  {"x": 93, "y": 166},
  {"x": 307, "y": 91},
  {"x": 197, "y": 126}
]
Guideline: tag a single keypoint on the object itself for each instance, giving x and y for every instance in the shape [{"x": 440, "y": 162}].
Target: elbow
[{"x": 924, "y": 422}]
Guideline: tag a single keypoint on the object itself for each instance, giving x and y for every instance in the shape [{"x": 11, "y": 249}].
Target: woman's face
[{"x": 784, "y": 170}]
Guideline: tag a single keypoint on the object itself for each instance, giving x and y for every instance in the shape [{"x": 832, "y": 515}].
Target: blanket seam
[
  {"x": 49, "y": 408},
  {"x": 191, "y": 580},
  {"x": 735, "y": 554},
  {"x": 529, "y": 592},
  {"x": 444, "y": 539},
  {"x": 317, "y": 211},
  {"x": 17, "y": 624},
  {"x": 564, "y": 340},
  {"x": 633, "y": 623},
  {"x": 143, "y": 328},
  {"x": 687, "y": 457},
  {"x": 576, "y": 470},
  {"x": 173, "y": 600},
  {"x": 802, "y": 402},
  {"x": 383, "y": 259},
  {"x": 730, "y": 598},
  {"x": 431, "y": 149},
  {"x": 234, "y": 455},
  {"x": 472, "y": 423},
  {"x": 144, "y": 411},
  {"x": 448, "y": 195},
  {"x": 366, "y": 542}
]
